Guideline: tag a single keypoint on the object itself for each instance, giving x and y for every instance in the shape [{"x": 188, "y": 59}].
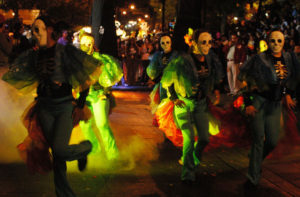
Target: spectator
[
  {"x": 64, "y": 38},
  {"x": 132, "y": 62},
  {"x": 145, "y": 51},
  {"x": 5, "y": 43}
]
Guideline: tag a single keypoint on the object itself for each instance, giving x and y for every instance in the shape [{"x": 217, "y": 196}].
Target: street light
[
  {"x": 146, "y": 16},
  {"x": 132, "y": 6},
  {"x": 124, "y": 12}
]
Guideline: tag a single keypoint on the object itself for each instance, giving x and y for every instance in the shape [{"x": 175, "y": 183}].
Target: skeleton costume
[
  {"x": 190, "y": 79},
  {"x": 270, "y": 79},
  {"x": 55, "y": 70},
  {"x": 156, "y": 68},
  {"x": 100, "y": 100}
]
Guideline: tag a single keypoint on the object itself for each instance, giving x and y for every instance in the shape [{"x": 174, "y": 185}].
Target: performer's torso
[
  {"x": 203, "y": 72},
  {"x": 52, "y": 80},
  {"x": 280, "y": 75}
]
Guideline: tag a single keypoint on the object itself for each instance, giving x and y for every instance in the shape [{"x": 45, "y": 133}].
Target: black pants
[{"x": 55, "y": 117}]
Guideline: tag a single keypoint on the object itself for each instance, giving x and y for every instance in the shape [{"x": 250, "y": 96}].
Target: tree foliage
[
  {"x": 73, "y": 12},
  {"x": 170, "y": 12}
]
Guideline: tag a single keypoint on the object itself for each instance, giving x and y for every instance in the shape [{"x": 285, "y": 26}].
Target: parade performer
[
  {"x": 54, "y": 70},
  {"x": 189, "y": 79},
  {"x": 271, "y": 78},
  {"x": 100, "y": 101},
  {"x": 155, "y": 70}
]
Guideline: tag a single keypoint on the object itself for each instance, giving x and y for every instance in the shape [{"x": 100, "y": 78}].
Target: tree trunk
[
  {"x": 103, "y": 15},
  {"x": 189, "y": 14}
]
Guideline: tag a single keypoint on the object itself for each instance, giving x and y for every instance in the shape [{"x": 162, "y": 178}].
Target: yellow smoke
[{"x": 12, "y": 131}]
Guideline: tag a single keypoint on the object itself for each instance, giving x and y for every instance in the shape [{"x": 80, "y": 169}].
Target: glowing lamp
[{"x": 132, "y": 7}]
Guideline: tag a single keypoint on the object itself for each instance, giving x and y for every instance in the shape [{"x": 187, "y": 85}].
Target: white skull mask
[
  {"x": 166, "y": 44},
  {"x": 276, "y": 41},
  {"x": 204, "y": 43},
  {"x": 87, "y": 44},
  {"x": 39, "y": 30}
]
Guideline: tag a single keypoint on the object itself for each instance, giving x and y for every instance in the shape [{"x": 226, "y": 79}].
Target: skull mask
[
  {"x": 166, "y": 44},
  {"x": 87, "y": 44},
  {"x": 276, "y": 41},
  {"x": 39, "y": 30},
  {"x": 204, "y": 44}
]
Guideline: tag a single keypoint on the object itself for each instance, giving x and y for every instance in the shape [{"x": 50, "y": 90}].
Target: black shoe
[
  {"x": 87, "y": 146},
  {"x": 82, "y": 163}
]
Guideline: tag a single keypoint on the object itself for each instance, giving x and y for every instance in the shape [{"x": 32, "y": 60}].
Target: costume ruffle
[
  {"x": 181, "y": 73},
  {"x": 81, "y": 69},
  {"x": 165, "y": 118},
  {"x": 80, "y": 114},
  {"x": 111, "y": 70},
  {"x": 154, "y": 69},
  {"x": 233, "y": 128},
  {"x": 223, "y": 131},
  {"x": 154, "y": 98},
  {"x": 21, "y": 73},
  {"x": 34, "y": 150}
]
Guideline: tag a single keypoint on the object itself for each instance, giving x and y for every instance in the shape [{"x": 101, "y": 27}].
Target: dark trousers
[
  {"x": 265, "y": 132},
  {"x": 55, "y": 117},
  {"x": 194, "y": 113}
]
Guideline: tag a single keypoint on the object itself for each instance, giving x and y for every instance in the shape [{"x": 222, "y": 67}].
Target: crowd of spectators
[{"x": 135, "y": 55}]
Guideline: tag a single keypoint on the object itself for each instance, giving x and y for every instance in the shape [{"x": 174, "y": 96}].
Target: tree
[
  {"x": 16, "y": 5},
  {"x": 72, "y": 11},
  {"x": 170, "y": 11}
]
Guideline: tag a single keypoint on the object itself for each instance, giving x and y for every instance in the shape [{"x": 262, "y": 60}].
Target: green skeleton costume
[{"x": 100, "y": 100}]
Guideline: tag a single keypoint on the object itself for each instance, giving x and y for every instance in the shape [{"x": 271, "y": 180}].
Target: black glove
[{"x": 82, "y": 98}]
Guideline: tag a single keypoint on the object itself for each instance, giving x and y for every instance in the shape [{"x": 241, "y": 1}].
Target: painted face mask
[
  {"x": 204, "y": 43},
  {"x": 166, "y": 44},
  {"x": 86, "y": 44},
  {"x": 39, "y": 30},
  {"x": 276, "y": 41}
]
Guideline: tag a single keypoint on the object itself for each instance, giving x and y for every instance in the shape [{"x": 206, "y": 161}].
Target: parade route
[{"x": 149, "y": 165}]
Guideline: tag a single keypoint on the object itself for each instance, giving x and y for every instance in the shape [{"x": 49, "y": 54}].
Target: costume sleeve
[
  {"x": 22, "y": 73},
  {"x": 249, "y": 73},
  {"x": 154, "y": 70},
  {"x": 111, "y": 70},
  {"x": 182, "y": 74},
  {"x": 81, "y": 69}
]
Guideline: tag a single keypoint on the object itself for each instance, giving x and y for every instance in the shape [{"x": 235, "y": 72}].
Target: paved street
[{"x": 149, "y": 166}]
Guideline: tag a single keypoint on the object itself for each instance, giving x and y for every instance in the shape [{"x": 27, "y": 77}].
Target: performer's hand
[
  {"x": 179, "y": 103},
  {"x": 250, "y": 110},
  {"x": 290, "y": 103}
]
